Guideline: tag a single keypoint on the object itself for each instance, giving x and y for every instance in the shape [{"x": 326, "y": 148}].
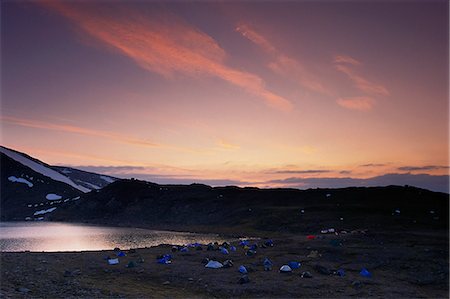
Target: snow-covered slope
[
  {"x": 29, "y": 186},
  {"x": 90, "y": 180},
  {"x": 42, "y": 169}
]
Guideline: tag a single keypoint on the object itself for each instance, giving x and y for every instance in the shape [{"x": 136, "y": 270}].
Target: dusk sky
[{"x": 297, "y": 94}]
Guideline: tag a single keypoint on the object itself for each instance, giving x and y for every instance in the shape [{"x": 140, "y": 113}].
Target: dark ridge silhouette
[{"x": 140, "y": 203}]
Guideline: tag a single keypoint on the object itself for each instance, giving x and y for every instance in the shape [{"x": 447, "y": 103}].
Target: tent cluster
[
  {"x": 249, "y": 249},
  {"x": 120, "y": 253}
]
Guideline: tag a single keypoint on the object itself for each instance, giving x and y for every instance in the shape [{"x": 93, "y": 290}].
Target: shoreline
[{"x": 402, "y": 263}]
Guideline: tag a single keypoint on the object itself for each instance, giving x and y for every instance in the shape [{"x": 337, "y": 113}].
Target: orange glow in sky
[{"x": 234, "y": 93}]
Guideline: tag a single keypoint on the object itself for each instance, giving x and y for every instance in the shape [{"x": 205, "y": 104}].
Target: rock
[
  {"x": 166, "y": 282},
  {"x": 306, "y": 274},
  {"x": 132, "y": 250},
  {"x": 190, "y": 279},
  {"x": 356, "y": 284},
  {"x": 322, "y": 270},
  {"x": 244, "y": 279},
  {"x": 228, "y": 264},
  {"x": 23, "y": 290},
  {"x": 76, "y": 272},
  {"x": 314, "y": 254},
  {"x": 335, "y": 243},
  {"x": 131, "y": 264},
  {"x": 250, "y": 252},
  {"x": 68, "y": 273}
]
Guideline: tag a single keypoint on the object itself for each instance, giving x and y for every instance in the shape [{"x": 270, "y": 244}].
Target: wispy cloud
[
  {"x": 111, "y": 169},
  {"x": 45, "y": 152},
  {"x": 422, "y": 168},
  {"x": 223, "y": 144},
  {"x": 283, "y": 64},
  {"x": 345, "y": 172},
  {"x": 346, "y": 65},
  {"x": 308, "y": 171},
  {"x": 78, "y": 130},
  {"x": 358, "y": 80},
  {"x": 346, "y": 59},
  {"x": 373, "y": 165},
  {"x": 356, "y": 103},
  {"x": 256, "y": 38},
  {"x": 165, "y": 45}
]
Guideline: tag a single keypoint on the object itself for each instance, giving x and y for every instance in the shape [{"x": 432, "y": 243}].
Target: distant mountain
[
  {"x": 34, "y": 190},
  {"x": 140, "y": 203},
  {"x": 30, "y": 189},
  {"x": 438, "y": 183}
]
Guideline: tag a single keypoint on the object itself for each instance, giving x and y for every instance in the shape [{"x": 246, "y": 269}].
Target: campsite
[
  {"x": 361, "y": 263},
  {"x": 279, "y": 243}
]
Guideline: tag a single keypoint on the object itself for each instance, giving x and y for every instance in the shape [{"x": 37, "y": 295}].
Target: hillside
[
  {"x": 140, "y": 203},
  {"x": 31, "y": 189}
]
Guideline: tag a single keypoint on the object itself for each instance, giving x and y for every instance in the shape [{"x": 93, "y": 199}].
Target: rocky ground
[{"x": 403, "y": 264}]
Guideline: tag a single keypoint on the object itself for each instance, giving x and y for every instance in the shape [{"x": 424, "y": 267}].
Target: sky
[{"x": 254, "y": 93}]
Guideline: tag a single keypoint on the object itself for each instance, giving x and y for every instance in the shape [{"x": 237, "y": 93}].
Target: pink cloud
[
  {"x": 346, "y": 59},
  {"x": 224, "y": 144},
  {"x": 363, "y": 84},
  {"x": 77, "y": 130},
  {"x": 357, "y": 103},
  {"x": 359, "y": 81},
  {"x": 256, "y": 38},
  {"x": 283, "y": 64},
  {"x": 165, "y": 45}
]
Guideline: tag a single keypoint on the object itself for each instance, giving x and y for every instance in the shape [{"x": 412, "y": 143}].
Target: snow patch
[
  {"x": 107, "y": 179},
  {"x": 66, "y": 171},
  {"x": 20, "y": 180},
  {"x": 41, "y": 212},
  {"x": 53, "y": 174},
  {"x": 92, "y": 186},
  {"x": 52, "y": 196}
]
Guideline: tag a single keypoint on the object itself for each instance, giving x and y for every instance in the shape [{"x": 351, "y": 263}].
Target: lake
[{"x": 57, "y": 236}]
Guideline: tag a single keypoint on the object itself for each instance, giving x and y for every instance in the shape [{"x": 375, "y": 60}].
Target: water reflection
[{"x": 52, "y": 236}]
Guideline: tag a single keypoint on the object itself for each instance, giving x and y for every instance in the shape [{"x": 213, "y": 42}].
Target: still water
[{"x": 54, "y": 236}]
